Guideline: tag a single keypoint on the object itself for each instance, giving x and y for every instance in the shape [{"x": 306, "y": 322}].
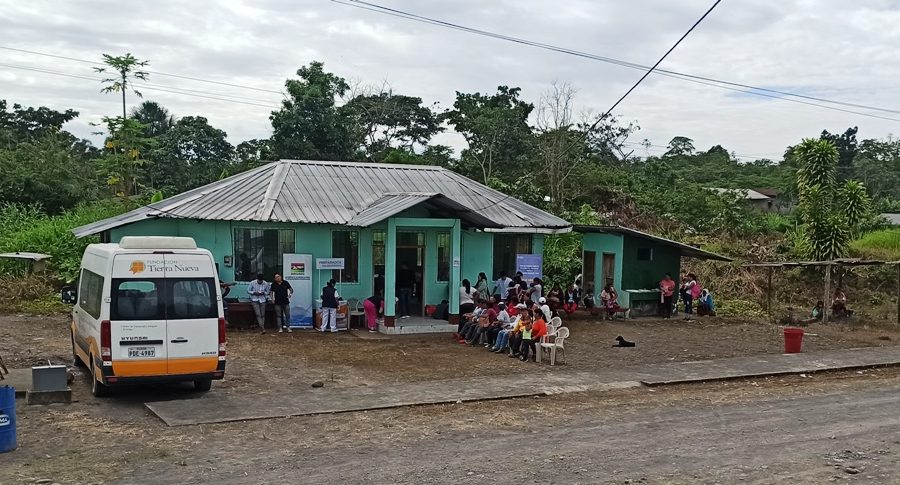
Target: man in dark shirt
[
  {"x": 281, "y": 295},
  {"x": 406, "y": 284},
  {"x": 329, "y": 307}
]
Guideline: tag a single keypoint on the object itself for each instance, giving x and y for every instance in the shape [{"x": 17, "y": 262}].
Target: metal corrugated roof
[
  {"x": 748, "y": 194},
  {"x": 303, "y": 191},
  {"x": 686, "y": 250},
  {"x": 894, "y": 219}
]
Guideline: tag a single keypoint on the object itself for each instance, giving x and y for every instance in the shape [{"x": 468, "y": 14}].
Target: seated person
[
  {"x": 570, "y": 300},
  {"x": 609, "y": 299},
  {"x": 555, "y": 298},
  {"x": 501, "y": 344},
  {"x": 487, "y": 317},
  {"x": 515, "y": 336},
  {"x": 705, "y": 304},
  {"x": 589, "y": 300},
  {"x": 816, "y": 314},
  {"x": 503, "y": 319},
  {"x": 839, "y": 304},
  {"x": 471, "y": 320}
]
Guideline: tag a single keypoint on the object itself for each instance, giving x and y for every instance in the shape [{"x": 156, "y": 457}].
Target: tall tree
[
  {"x": 157, "y": 118},
  {"x": 126, "y": 68},
  {"x": 124, "y": 157},
  {"x": 829, "y": 213},
  {"x": 496, "y": 130},
  {"x": 679, "y": 146},
  {"x": 847, "y": 148},
  {"x": 191, "y": 154},
  {"x": 309, "y": 124},
  {"x": 386, "y": 121}
]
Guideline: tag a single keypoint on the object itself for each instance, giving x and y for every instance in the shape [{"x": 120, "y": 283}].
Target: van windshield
[{"x": 163, "y": 299}]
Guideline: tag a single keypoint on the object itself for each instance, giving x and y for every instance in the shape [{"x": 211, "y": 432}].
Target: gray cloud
[{"x": 840, "y": 50}]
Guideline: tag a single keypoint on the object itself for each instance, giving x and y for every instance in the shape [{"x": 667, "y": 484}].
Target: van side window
[
  {"x": 136, "y": 300},
  {"x": 90, "y": 292},
  {"x": 194, "y": 298}
]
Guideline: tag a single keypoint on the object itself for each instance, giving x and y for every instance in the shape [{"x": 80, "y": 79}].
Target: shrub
[
  {"x": 739, "y": 308},
  {"x": 884, "y": 245},
  {"x": 25, "y": 228}
]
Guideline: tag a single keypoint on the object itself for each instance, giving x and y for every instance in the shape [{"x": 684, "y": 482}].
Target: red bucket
[{"x": 793, "y": 340}]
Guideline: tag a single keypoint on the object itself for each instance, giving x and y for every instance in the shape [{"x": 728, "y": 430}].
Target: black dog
[{"x": 623, "y": 343}]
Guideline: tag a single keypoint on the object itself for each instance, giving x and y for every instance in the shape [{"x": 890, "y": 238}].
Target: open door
[
  {"x": 609, "y": 269},
  {"x": 588, "y": 269}
]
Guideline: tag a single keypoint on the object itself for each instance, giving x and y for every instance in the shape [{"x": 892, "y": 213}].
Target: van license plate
[{"x": 142, "y": 352}]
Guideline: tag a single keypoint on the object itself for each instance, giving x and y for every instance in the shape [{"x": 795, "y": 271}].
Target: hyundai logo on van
[{"x": 4, "y": 420}]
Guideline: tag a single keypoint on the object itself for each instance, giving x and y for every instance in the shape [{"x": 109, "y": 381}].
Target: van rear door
[
  {"x": 138, "y": 316},
  {"x": 192, "y": 317}
]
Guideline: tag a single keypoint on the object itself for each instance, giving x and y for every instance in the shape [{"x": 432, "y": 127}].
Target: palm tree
[{"x": 155, "y": 116}]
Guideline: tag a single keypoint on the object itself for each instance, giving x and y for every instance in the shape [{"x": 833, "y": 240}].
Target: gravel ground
[{"x": 117, "y": 440}]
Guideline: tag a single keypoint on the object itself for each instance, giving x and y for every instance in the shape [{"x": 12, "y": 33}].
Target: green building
[
  {"x": 634, "y": 262},
  {"x": 378, "y": 217}
]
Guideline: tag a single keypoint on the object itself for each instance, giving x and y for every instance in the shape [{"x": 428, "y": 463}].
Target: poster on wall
[
  {"x": 298, "y": 272},
  {"x": 531, "y": 265}
]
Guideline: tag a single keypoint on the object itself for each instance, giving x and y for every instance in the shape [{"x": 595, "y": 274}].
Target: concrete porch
[{"x": 414, "y": 325}]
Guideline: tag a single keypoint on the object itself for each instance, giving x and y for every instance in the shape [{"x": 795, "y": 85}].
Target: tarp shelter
[
  {"x": 634, "y": 262},
  {"x": 828, "y": 265},
  {"x": 37, "y": 262}
]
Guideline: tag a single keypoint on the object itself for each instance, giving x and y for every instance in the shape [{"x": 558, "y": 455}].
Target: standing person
[
  {"x": 329, "y": 307},
  {"x": 406, "y": 285},
  {"x": 281, "y": 296},
  {"x": 537, "y": 289},
  {"x": 467, "y": 296},
  {"x": 570, "y": 299},
  {"x": 501, "y": 286},
  {"x": 482, "y": 286},
  {"x": 373, "y": 306},
  {"x": 666, "y": 296},
  {"x": 685, "y": 291},
  {"x": 692, "y": 292},
  {"x": 259, "y": 291}
]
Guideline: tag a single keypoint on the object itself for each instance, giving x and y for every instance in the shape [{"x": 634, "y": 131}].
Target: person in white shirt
[
  {"x": 259, "y": 295},
  {"x": 536, "y": 291},
  {"x": 544, "y": 308},
  {"x": 501, "y": 343},
  {"x": 501, "y": 286}
]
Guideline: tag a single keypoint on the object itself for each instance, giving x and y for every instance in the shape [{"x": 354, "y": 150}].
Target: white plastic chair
[
  {"x": 355, "y": 311},
  {"x": 556, "y": 322},
  {"x": 558, "y": 344}
]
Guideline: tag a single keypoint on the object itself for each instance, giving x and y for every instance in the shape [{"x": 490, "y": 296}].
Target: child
[
  {"x": 817, "y": 312},
  {"x": 527, "y": 344}
]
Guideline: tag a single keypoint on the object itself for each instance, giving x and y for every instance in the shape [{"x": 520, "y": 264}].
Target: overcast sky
[{"x": 839, "y": 50}]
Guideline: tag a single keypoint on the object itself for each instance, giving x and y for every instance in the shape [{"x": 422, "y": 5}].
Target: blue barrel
[{"x": 7, "y": 419}]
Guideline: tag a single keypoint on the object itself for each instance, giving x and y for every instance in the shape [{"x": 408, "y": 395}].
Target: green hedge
[{"x": 883, "y": 245}]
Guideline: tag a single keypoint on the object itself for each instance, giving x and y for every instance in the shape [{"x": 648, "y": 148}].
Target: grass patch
[{"x": 883, "y": 245}]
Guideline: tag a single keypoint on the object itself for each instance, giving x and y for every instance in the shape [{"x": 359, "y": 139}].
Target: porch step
[{"x": 415, "y": 325}]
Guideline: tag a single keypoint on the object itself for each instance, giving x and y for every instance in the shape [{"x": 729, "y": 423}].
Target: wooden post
[
  {"x": 827, "y": 293},
  {"x": 769, "y": 294}
]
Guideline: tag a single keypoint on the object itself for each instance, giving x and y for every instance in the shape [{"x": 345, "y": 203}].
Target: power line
[
  {"x": 718, "y": 83},
  {"x": 140, "y": 85},
  {"x": 601, "y": 118},
  {"x": 156, "y": 73}
]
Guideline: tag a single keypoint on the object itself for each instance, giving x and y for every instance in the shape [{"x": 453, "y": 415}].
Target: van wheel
[
  {"x": 98, "y": 389},
  {"x": 203, "y": 385},
  {"x": 75, "y": 358}
]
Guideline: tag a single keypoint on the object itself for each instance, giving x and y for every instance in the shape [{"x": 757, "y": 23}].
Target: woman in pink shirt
[{"x": 667, "y": 294}]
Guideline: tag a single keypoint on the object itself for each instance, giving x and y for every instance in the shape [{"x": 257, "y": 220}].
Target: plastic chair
[
  {"x": 353, "y": 306},
  {"x": 551, "y": 332},
  {"x": 556, "y": 322},
  {"x": 558, "y": 344}
]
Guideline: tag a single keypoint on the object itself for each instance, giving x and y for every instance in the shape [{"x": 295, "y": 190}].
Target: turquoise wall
[
  {"x": 605, "y": 243},
  {"x": 646, "y": 274},
  {"x": 216, "y": 236}
]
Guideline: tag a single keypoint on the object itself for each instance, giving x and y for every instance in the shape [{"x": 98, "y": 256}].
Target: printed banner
[
  {"x": 531, "y": 265},
  {"x": 298, "y": 272},
  {"x": 329, "y": 263}
]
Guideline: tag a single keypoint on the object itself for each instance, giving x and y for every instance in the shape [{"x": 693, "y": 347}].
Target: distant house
[
  {"x": 894, "y": 219},
  {"x": 765, "y": 200}
]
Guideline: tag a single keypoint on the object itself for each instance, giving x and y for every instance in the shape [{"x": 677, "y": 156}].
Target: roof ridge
[{"x": 348, "y": 163}]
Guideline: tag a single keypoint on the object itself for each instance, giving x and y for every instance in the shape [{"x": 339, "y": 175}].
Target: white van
[{"x": 148, "y": 309}]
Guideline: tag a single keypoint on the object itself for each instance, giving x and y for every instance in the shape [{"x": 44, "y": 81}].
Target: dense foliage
[{"x": 533, "y": 147}]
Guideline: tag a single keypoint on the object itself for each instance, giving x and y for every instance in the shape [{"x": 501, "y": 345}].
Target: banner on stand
[
  {"x": 298, "y": 272},
  {"x": 531, "y": 265}
]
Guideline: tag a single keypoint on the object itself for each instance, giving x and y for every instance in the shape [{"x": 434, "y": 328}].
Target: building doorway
[
  {"x": 609, "y": 269},
  {"x": 410, "y": 273},
  {"x": 587, "y": 272}
]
